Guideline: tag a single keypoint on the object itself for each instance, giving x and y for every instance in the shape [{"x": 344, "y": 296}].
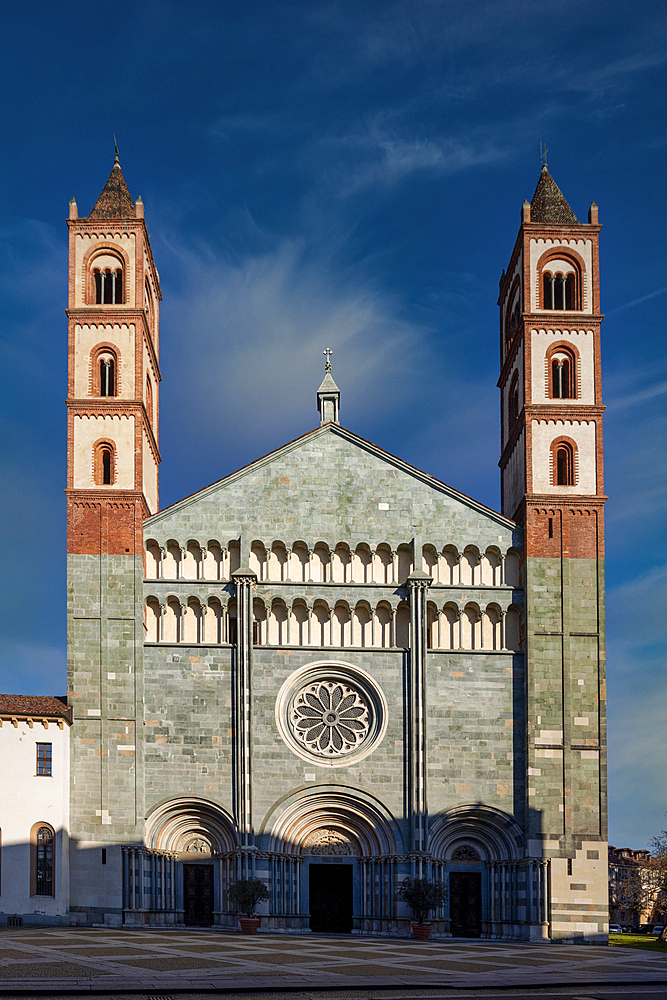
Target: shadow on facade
[{"x": 332, "y": 858}]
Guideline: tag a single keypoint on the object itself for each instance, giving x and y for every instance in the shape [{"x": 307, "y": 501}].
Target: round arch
[
  {"x": 350, "y": 812},
  {"x": 173, "y": 825},
  {"x": 493, "y": 834}
]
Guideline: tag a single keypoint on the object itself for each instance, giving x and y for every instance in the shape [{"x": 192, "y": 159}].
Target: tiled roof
[
  {"x": 115, "y": 201},
  {"x": 28, "y": 704},
  {"x": 549, "y": 204}
]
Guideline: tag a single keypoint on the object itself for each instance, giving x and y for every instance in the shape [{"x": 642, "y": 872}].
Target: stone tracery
[{"x": 330, "y": 718}]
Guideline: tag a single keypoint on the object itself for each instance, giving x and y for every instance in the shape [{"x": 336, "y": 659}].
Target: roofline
[
  {"x": 57, "y": 717},
  {"x": 350, "y": 436}
]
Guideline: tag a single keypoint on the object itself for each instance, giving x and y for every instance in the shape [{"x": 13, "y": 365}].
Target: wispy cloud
[
  {"x": 659, "y": 389},
  {"x": 261, "y": 322},
  {"x": 637, "y": 302},
  {"x": 385, "y": 158}
]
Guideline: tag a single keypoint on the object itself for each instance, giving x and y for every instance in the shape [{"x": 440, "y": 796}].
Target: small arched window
[
  {"x": 563, "y": 464},
  {"x": 560, "y": 289},
  {"x": 107, "y": 376},
  {"x": 104, "y": 462},
  {"x": 108, "y": 285},
  {"x": 149, "y": 398},
  {"x": 513, "y": 403},
  {"x": 42, "y": 860},
  {"x": 561, "y": 371},
  {"x": 149, "y": 303},
  {"x": 561, "y": 378}
]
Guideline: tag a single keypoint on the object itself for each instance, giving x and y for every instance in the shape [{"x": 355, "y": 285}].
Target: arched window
[
  {"x": 513, "y": 404},
  {"x": 107, "y": 377},
  {"x": 149, "y": 303},
  {"x": 561, "y": 287},
  {"x": 108, "y": 285},
  {"x": 42, "y": 858},
  {"x": 562, "y": 365},
  {"x": 104, "y": 471},
  {"x": 149, "y": 398},
  {"x": 104, "y": 371},
  {"x": 563, "y": 463}
]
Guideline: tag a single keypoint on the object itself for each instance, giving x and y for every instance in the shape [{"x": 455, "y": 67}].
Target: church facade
[{"x": 329, "y": 670}]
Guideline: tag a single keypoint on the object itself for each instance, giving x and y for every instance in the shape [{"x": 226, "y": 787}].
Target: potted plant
[
  {"x": 246, "y": 894},
  {"x": 422, "y": 895}
]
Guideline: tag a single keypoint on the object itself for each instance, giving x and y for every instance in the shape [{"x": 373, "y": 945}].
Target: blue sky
[{"x": 346, "y": 174}]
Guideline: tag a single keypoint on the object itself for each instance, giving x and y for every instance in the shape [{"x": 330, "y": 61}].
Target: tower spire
[
  {"x": 328, "y": 394},
  {"x": 115, "y": 200}
]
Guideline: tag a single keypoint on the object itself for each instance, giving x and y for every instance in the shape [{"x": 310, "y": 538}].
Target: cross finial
[
  {"x": 543, "y": 149},
  {"x": 328, "y": 352}
]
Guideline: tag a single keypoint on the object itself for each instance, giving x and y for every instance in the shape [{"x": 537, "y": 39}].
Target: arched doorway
[
  {"x": 198, "y": 838},
  {"x": 333, "y": 846},
  {"x": 482, "y": 848}
]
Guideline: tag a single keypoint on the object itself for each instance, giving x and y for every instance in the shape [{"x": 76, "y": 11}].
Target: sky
[{"x": 343, "y": 174}]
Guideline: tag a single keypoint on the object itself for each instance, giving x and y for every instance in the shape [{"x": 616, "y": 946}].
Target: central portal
[
  {"x": 198, "y": 895},
  {"x": 330, "y": 898}
]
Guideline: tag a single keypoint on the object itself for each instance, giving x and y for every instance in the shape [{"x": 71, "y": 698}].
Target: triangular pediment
[{"x": 330, "y": 484}]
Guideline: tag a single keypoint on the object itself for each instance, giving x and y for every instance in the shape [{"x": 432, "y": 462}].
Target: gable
[{"x": 331, "y": 485}]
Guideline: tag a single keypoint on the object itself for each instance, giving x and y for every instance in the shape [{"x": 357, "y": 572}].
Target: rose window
[
  {"x": 330, "y": 718},
  {"x": 331, "y": 714}
]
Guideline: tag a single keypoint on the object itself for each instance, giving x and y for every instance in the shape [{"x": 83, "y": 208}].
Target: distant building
[
  {"x": 34, "y": 810},
  {"x": 637, "y": 883}
]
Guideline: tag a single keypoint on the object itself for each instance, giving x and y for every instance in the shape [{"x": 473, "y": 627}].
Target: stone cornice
[
  {"x": 102, "y": 406},
  {"x": 104, "y": 495},
  {"x": 98, "y": 316}
]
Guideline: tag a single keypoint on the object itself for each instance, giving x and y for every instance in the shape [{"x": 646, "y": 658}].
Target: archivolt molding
[
  {"x": 185, "y": 824},
  {"x": 493, "y": 834},
  {"x": 352, "y": 815}
]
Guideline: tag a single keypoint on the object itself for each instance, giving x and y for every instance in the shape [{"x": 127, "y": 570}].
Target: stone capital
[{"x": 419, "y": 580}]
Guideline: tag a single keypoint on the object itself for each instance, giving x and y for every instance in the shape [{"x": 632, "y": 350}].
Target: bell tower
[
  {"x": 112, "y": 485},
  {"x": 552, "y": 484}
]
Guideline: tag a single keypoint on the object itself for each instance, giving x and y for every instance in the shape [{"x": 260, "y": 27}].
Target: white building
[{"x": 34, "y": 810}]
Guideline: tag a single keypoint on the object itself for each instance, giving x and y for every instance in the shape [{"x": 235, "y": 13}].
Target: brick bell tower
[
  {"x": 552, "y": 484},
  {"x": 112, "y": 485}
]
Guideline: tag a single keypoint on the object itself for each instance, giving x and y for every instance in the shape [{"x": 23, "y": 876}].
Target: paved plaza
[{"x": 159, "y": 961}]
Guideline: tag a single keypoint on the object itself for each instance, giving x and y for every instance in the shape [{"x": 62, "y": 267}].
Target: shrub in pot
[
  {"x": 246, "y": 893},
  {"x": 422, "y": 895}
]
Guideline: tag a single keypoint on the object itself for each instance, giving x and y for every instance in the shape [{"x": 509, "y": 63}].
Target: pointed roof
[
  {"x": 328, "y": 384},
  {"x": 549, "y": 204},
  {"x": 115, "y": 201}
]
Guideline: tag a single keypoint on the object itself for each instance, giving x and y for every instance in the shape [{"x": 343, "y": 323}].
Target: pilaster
[
  {"x": 245, "y": 581},
  {"x": 418, "y": 584}
]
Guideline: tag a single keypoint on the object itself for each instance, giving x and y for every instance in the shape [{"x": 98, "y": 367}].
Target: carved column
[
  {"x": 418, "y": 584},
  {"x": 245, "y": 581}
]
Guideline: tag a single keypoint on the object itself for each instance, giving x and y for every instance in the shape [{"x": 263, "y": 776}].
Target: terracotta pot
[
  {"x": 421, "y": 932},
  {"x": 249, "y": 925}
]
